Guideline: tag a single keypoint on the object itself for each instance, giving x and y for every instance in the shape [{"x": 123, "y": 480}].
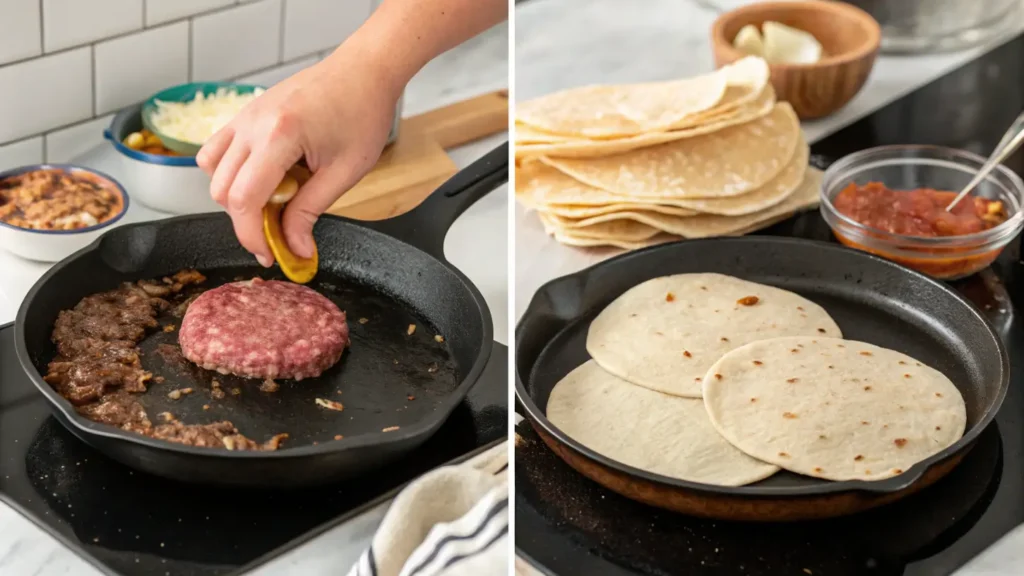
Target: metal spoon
[{"x": 1012, "y": 140}]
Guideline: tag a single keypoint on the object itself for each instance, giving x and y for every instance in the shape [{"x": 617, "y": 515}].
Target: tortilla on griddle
[
  {"x": 833, "y": 409},
  {"x": 648, "y": 430},
  {"x": 665, "y": 333}
]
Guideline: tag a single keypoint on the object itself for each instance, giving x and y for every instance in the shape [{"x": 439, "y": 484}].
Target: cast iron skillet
[
  {"x": 392, "y": 273},
  {"x": 872, "y": 300}
]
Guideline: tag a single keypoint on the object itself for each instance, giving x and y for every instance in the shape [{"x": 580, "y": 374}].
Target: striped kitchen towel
[{"x": 452, "y": 521}]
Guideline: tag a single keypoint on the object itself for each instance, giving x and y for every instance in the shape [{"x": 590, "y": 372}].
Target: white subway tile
[
  {"x": 274, "y": 75},
  {"x": 314, "y": 25},
  {"x": 22, "y": 152},
  {"x": 52, "y": 91},
  {"x": 160, "y": 11},
  {"x": 236, "y": 41},
  {"x": 67, "y": 144},
  {"x": 133, "y": 68},
  {"x": 20, "y": 37},
  {"x": 69, "y": 23}
]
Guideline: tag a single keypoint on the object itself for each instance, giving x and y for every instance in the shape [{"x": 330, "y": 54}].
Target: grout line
[
  {"x": 191, "y": 23},
  {"x": 92, "y": 56},
  {"x": 112, "y": 37},
  {"x": 280, "y": 32},
  {"x": 42, "y": 31}
]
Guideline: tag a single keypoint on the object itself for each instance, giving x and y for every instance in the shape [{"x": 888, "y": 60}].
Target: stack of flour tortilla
[
  {"x": 636, "y": 165},
  {"x": 717, "y": 380}
]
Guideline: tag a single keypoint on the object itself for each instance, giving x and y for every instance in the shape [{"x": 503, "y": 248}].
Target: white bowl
[
  {"x": 56, "y": 245},
  {"x": 173, "y": 184}
]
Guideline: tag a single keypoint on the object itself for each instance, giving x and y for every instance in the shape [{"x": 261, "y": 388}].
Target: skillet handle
[{"x": 427, "y": 225}]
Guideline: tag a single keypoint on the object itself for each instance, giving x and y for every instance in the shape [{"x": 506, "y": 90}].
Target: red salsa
[{"x": 920, "y": 212}]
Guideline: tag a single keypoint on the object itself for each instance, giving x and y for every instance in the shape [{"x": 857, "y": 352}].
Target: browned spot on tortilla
[
  {"x": 753, "y": 399},
  {"x": 900, "y": 442},
  {"x": 791, "y": 380},
  {"x": 867, "y": 388},
  {"x": 938, "y": 427},
  {"x": 795, "y": 350},
  {"x": 858, "y": 457},
  {"x": 800, "y": 308},
  {"x": 758, "y": 363},
  {"x": 822, "y": 330},
  {"x": 748, "y": 300},
  {"x": 865, "y": 422},
  {"x": 897, "y": 471},
  {"x": 783, "y": 455},
  {"x": 938, "y": 395},
  {"x": 840, "y": 346},
  {"x": 659, "y": 333},
  {"x": 906, "y": 375},
  {"x": 830, "y": 366},
  {"x": 865, "y": 353},
  {"x": 670, "y": 297},
  {"x": 704, "y": 288},
  {"x": 718, "y": 376},
  {"x": 867, "y": 471},
  {"x": 818, "y": 469},
  {"x": 687, "y": 354},
  {"x": 788, "y": 415},
  {"x": 822, "y": 436},
  {"x": 697, "y": 379},
  {"x": 902, "y": 363}
]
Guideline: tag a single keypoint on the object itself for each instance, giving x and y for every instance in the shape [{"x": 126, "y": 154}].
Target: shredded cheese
[{"x": 195, "y": 121}]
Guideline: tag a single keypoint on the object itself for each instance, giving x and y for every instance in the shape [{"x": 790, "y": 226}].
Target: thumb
[{"x": 312, "y": 200}]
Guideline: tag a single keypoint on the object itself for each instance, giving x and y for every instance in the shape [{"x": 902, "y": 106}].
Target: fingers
[
  {"x": 249, "y": 193},
  {"x": 210, "y": 154},
  {"x": 227, "y": 169},
  {"x": 313, "y": 199}
]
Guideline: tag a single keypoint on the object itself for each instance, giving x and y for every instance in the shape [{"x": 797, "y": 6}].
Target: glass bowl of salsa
[{"x": 891, "y": 201}]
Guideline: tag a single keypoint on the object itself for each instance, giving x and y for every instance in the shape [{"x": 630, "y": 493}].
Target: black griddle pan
[
  {"x": 873, "y": 300},
  {"x": 392, "y": 273}
]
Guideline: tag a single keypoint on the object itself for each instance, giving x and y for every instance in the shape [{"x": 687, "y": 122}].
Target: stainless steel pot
[{"x": 928, "y": 25}]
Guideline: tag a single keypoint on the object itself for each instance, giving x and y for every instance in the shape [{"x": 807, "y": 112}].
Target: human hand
[{"x": 335, "y": 114}]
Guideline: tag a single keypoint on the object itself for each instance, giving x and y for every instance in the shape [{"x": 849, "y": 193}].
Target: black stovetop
[
  {"x": 568, "y": 525},
  {"x": 130, "y": 523}
]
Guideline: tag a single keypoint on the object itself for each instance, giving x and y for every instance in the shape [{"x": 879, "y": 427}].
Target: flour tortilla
[
  {"x": 617, "y": 229},
  {"x": 648, "y": 430},
  {"x": 758, "y": 107},
  {"x": 774, "y": 192},
  {"x": 806, "y": 196},
  {"x": 539, "y": 186},
  {"x": 850, "y": 399},
  {"x": 624, "y": 110},
  {"x": 643, "y": 337},
  {"x": 526, "y": 134},
  {"x": 569, "y": 239},
  {"x": 728, "y": 162}
]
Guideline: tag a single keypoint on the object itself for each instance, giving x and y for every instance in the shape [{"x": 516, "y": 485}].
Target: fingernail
[{"x": 264, "y": 261}]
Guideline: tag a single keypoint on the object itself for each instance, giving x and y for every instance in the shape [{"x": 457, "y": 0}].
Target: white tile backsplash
[
  {"x": 69, "y": 23},
  {"x": 68, "y": 143},
  {"x": 274, "y": 75},
  {"x": 74, "y": 60},
  {"x": 236, "y": 41},
  {"x": 160, "y": 11},
  {"x": 20, "y": 153},
  {"x": 20, "y": 37},
  {"x": 133, "y": 68},
  {"x": 52, "y": 91},
  {"x": 314, "y": 25}
]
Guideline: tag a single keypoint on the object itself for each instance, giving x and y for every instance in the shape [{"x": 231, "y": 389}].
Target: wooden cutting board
[{"x": 416, "y": 164}]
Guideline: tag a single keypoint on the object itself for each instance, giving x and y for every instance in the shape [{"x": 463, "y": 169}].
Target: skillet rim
[
  {"x": 888, "y": 485},
  {"x": 423, "y": 428}
]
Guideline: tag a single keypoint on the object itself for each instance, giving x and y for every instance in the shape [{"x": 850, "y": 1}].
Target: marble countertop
[
  {"x": 566, "y": 43},
  {"x": 477, "y": 244}
]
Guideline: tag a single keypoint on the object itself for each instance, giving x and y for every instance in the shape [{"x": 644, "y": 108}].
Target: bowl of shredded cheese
[{"x": 186, "y": 116}]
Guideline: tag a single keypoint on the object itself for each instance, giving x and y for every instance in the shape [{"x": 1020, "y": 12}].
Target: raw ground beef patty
[{"x": 264, "y": 329}]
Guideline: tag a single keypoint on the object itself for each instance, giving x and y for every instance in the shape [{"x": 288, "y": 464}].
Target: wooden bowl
[{"x": 849, "y": 38}]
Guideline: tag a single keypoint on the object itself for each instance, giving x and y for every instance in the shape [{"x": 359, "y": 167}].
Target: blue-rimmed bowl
[
  {"x": 172, "y": 184},
  {"x": 56, "y": 245}
]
